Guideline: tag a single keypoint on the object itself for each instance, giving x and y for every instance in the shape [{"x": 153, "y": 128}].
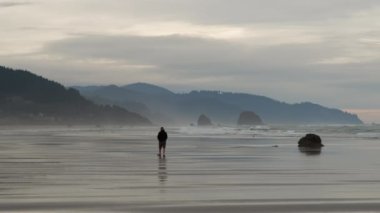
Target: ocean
[{"x": 213, "y": 169}]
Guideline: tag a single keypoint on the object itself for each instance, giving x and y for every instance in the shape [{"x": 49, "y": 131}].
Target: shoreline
[{"x": 349, "y": 205}]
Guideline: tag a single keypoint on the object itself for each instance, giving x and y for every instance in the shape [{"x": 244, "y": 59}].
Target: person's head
[{"x": 162, "y": 129}]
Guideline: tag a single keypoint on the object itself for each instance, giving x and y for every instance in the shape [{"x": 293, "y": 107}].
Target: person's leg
[
  {"x": 159, "y": 148},
  {"x": 163, "y": 148}
]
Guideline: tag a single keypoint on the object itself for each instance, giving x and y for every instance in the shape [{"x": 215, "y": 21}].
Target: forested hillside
[{"x": 26, "y": 98}]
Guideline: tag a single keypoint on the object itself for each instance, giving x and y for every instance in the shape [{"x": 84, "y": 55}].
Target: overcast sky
[{"x": 323, "y": 51}]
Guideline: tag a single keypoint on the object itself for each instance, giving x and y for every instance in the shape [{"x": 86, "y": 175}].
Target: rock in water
[
  {"x": 249, "y": 118},
  {"x": 203, "y": 120},
  {"x": 310, "y": 141}
]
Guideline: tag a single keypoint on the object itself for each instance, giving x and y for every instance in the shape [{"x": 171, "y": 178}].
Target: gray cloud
[
  {"x": 4, "y": 4},
  {"x": 240, "y": 11},
  {"x": 281, "y": 71},
  {"x": 163, "y": 51},
  {"x": 293, "y": 50},
  {"x": 190, "y": 54}
]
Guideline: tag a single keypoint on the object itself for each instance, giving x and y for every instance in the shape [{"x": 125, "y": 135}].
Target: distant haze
[
  {"x": 163, "y": 106},
  {"x": 367, "y": 115},
  {"x": 325, "y": 51}
]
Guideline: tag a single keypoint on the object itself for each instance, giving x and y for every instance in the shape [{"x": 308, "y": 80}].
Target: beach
[{"x": 215, "y": 169}]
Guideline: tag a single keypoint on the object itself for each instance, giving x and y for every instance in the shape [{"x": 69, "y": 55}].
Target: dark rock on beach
[
  {"x": 310, "y": 141},
  {"x": 310, "y": 144}
]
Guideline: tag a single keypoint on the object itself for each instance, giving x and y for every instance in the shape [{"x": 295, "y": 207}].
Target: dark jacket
[{"x": 162, "y": 136}]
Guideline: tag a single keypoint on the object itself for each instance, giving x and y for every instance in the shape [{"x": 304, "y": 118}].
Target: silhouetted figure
[{"x": 162, "y": 137}]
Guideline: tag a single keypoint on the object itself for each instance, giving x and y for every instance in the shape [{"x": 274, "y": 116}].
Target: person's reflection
[{"x": 162, "y": 174}]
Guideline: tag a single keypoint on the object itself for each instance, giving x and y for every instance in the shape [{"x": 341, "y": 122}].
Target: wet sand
[{"x": 117, "y": 170}]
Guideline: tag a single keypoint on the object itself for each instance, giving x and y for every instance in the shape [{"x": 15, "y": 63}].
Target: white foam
[
  {"x": 369, "y": 135},
  {"x": 234, "y": 132}
]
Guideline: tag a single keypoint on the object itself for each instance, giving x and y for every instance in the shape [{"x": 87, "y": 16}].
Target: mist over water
[{"x": 115, "y": 169}]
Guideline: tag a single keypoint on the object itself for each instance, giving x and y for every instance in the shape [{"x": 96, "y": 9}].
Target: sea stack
[
  {"x": 249, "y": 118},
  {"x": 203, "y": 120}
]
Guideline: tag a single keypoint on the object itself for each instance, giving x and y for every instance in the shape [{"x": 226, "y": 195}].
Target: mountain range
[
  {"x": 163, "y": 106},
  {"x": 26, "y": 98}
]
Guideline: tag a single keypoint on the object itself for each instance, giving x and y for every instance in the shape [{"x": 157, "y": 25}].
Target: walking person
[{"x": 162, "y": 137}]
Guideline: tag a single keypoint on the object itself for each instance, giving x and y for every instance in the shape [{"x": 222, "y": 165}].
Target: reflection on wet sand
[
  {"x": 310, "y": 151},
  {"x": 162, "y": 173}
]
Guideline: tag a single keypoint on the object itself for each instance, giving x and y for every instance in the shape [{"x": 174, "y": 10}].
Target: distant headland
[
  {"x": 164, "y": 106},
  {"x": 30, "y": 99}
]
